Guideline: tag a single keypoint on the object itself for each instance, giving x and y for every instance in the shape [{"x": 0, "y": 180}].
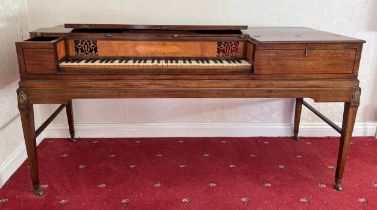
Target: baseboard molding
[
  {"x": 203, "y": 130},
  {"x": 14, "y": 161}
]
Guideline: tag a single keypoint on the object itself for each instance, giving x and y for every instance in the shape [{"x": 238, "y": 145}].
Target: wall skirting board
[
  {"x": 8, "y": 167},
  {"x": 203, "y": 130},
  {"x": 14, "y": 161}
]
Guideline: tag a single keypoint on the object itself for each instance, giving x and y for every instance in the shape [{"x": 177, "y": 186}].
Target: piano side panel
[
  {"x": 296, "y": 61},
  {"x": 118, "y": 48},
  {"x": 39, "y": 56},
  {"x": 40, "y": 61},
  {"x": 357, "y": 59},
  {"x": 250, "y": 51},
  {"x": 306, "y": 59},
  {"x": 61, "y": 50}
]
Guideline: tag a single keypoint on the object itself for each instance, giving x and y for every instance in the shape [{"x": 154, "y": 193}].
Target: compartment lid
[{"x": 295, "y": 35}]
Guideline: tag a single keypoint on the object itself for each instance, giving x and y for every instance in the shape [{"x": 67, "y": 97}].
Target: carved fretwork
[
  {"x": 86, "y": 47},
  {"x": 227, "y": 49}
]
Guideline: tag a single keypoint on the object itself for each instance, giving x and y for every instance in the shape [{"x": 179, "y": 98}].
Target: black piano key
[
  {"x": 102, "y": 60},
  {"x": 215, "y": 61},
  {"x": 184, "y": 61},
  {"x": 176, "y": 61},
  {"x": 238, "y": 61},
  {"x": 134, "y": 61},
  {"x": 112, "y": 60},
  {"x": 93, "y": 60},
  {"x": 233, "y": 61},
  {"x": 107, "y": 60},
  {"x": 166, "y": 61},
  {"x": 207, "y": 61},
  {"x": 158, "y": 61},
  {"x": 153, "y": 60},
  {"x": 145, "y": 61},
  {"x": 87, "y": 61},
  {"x": 190, "y": 61},
  {"x": 126, "y": 60},
  {"x": 221, "y": 61},
  {"x": 140, "y": 60},
  {"x": 228, "y": 61}
]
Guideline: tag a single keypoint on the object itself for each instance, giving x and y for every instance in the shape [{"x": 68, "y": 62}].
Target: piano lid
[{"x": 157, "y": 27}]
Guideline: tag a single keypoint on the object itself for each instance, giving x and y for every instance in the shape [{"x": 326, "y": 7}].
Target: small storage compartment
[
  {"x": 304, "y": 61},
  {"x": 40, "y": 55}
]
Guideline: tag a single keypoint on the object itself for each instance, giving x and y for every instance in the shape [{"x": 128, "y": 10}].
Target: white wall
[{"x": 12, "y": 27}]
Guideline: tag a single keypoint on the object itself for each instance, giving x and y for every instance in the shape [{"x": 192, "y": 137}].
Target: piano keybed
[{"x": 154, "y": 63}]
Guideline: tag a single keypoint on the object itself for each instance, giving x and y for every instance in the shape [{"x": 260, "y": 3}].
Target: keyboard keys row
[{"x": 179, "y": 62}]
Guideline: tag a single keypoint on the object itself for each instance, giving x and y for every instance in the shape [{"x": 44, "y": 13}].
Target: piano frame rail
[{"x": 64, "y": 94}]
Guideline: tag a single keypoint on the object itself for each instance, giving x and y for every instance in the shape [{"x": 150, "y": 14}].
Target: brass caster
[
  {"x": 38, "y": 191},
  {"x": 73, "y": 139},
  {"x": 72, "y": 134},
  {"x": 338, "y": 187}
]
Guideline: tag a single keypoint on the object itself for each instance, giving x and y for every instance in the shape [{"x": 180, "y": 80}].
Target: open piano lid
[
  {"x": 63, "y": 30},
  {"x": 158, "y": 27}
]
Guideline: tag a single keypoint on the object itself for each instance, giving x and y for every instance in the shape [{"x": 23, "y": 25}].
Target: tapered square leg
[
  {"x": 70, "y": 121},
  {"x": 297, "y": 119},
  {"x": 28, "y": 126},
  {"x": 349, "y": 116}
]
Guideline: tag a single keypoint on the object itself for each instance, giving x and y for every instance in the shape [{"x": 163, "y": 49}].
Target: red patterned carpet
[{"x": 196, "y": 173}]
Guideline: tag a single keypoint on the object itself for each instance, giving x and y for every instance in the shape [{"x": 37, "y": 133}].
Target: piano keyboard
[{"x": 151, "y": 63}]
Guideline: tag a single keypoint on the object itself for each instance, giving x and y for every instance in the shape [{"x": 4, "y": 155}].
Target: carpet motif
[{"x": 196, "y": 173}]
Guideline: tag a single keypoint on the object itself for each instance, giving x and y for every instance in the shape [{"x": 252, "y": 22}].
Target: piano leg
[
  {"x": 70, "y": 121},
  {"x": 298, "y": 110},
  {"x": 349, "y": 116},
  {"x": 28, "y": 126}
]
